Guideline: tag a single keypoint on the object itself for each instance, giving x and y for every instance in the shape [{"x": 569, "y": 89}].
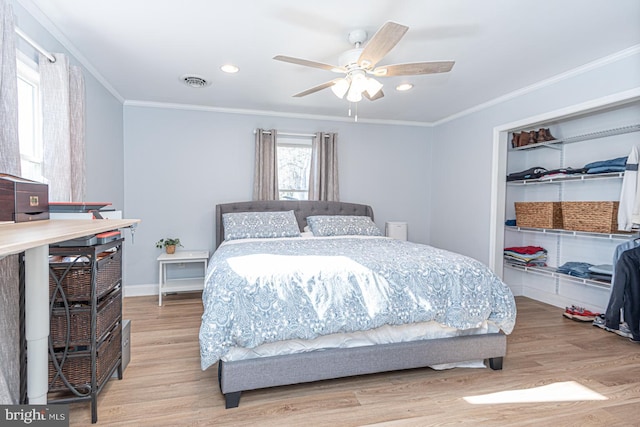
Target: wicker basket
[
  {"x": 75, "y": 278},
  {"x": 595, "y": 217},
  {"x": 76, "y": 368},
  {"x": 107, "y": 314},
  {"x": 539, "y": 214}
]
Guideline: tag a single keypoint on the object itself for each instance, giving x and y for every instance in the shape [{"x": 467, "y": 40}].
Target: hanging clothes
[
  {"x": 622, "y": 247},
  {"x": 625, "y": 293}
]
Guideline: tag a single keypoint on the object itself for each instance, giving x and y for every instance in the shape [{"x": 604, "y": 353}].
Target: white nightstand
[{"x": 182, "y": 284}]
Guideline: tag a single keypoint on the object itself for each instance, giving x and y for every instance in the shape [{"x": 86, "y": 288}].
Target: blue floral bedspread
[{"x": 261, "y": 291}]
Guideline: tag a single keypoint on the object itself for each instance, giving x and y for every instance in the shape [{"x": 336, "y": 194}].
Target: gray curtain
[
  {"x": 62, "y": 89},
  {"x": 9, "y": 163},
  {"x": 323, "y": 176},
  {"x": 265, "y": 181}
]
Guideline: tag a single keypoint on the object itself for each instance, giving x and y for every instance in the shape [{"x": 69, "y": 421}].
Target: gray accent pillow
[
  {"x": 343, "y": 225},
  {"x": 248, "y": 225}
]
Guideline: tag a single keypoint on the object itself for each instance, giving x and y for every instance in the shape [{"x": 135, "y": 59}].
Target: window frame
[
  {"x": 295, "y": 141},
  {"x": 27, "y": 71}
]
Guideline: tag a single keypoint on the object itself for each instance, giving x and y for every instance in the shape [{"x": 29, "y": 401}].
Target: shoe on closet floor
[
  {"x": 584, "y": 315},
  {"x": 568, "y": 312},
  {"x": 599, "y": 322},
  {"x": 623, "y": 331},
  {"x": 580, "y": 314}
]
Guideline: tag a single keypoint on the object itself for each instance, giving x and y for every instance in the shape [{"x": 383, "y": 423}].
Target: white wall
[
  {"x": 460, "y": 202},
  {"x": 180, "y": 163}
]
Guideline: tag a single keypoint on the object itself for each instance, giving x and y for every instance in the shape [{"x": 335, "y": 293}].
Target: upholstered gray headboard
[{"x": 301, "y": 208}]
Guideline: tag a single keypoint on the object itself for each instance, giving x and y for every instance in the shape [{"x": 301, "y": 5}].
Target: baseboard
[
  {"x": 140, "y": 290},
  {"x": 560, "y": 301}
]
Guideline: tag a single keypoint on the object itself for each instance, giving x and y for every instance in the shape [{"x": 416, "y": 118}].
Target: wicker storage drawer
[
  {"x": 76, "y": 368},
  {"x": 539, "y": 214},
  {"x": 107, "y": 314},
  {"x": 75, "y": 278},
  {"x": 595, "y": 217}
]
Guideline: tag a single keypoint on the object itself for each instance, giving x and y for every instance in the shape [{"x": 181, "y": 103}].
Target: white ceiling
[{"x": 141, "y": 48}]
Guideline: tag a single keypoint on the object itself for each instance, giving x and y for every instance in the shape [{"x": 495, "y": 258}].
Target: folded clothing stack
[
  {"x": 559, "y": 173},
  {"x": 576, "y": 269},
  {"x": 603, "y": 166},
  {"x": 529, "y": 256},
  {"x": 602, "y": 272},
  {"x": 531, "y": 173}
]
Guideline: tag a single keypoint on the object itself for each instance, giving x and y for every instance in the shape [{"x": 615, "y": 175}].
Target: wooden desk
[{"x": 34, "y": 239}]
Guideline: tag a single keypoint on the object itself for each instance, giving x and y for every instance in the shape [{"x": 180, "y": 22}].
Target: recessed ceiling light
[
  {"x": 404, "y": 87},
  {"x": 229, "y": 68},
  {"x": 194, "y": 81}
]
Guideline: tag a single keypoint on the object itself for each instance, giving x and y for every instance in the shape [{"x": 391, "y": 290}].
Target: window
[
  {"x": 294, "y": 163},
  {"x": 29, "y": 121}
]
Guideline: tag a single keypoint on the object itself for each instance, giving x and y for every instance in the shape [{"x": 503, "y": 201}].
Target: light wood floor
[{"x": 164, "y": 385}]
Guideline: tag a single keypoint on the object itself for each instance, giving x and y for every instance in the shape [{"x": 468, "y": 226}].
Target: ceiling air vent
[{"x": 195, "y": 81}]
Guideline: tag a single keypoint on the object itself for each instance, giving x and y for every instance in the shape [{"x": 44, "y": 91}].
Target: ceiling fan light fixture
[
  {"x": 373, "y": 87},
  {"x": 340, "y": 88},
  {"x": 354, "y": 95}
]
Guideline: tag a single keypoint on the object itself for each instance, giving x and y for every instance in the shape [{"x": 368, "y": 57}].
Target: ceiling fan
[{"x": 360, "y": 62}]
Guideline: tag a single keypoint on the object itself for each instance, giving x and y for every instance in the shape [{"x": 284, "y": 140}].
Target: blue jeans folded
[
  {"x": 619, "y": 161},
  {"x": 576, "y": 269}
]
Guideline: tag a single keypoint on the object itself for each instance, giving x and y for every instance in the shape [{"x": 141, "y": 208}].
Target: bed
[{"x": 264, "y": 329}]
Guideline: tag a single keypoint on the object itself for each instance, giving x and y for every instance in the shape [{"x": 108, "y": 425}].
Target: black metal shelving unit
[{"x": 85, "y": 312}]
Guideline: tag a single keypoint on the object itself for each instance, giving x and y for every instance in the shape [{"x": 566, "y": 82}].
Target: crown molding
[
  {"x": 175, "y": 106},
  {"x": 46, "y": 23},
  {"x": 625, "y": 53}
]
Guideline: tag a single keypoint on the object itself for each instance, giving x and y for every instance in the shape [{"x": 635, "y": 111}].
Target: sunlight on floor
[{"x": 569, "y": 391}]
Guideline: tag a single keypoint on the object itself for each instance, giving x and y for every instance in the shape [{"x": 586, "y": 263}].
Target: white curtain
[
  {"x": 9, "y": 163},
  {"x": 265, "y": 182},
  {"x": 9, "y": 144},
  {"x": 77, "y": 133},
  {"x": 62, "y": 89},
  {"x": 323, "y": 177}
]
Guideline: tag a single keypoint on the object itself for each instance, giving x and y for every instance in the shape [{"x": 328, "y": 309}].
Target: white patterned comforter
[{"x": 267, "y": 290}]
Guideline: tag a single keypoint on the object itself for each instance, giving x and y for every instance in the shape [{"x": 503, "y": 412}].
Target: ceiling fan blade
[
  {"x": 413, "y": 69},
  {"x": 378, "y": 95},
  {"x": 316, "y": 88},
  {"x": 308, "y": 63},
  {"x": 381, "y": 43}
]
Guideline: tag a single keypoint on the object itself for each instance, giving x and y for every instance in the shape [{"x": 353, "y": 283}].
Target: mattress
[
  {"x": 283, "y": 295},
  {"x": 386, "y": 334}
]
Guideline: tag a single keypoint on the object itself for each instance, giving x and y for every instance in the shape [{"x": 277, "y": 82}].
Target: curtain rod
[
  {"x": 302, "y": 135},
  {"x": 35, "y": 45}
]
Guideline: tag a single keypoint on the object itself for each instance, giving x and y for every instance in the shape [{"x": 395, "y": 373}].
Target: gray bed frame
[{"x": 243, "y": 375}]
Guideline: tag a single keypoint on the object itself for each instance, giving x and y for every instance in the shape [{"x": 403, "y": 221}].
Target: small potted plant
[{"x": 168, "y": 244}]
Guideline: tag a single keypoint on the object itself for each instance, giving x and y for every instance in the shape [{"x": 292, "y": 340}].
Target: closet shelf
[
  {"x": 584, "y": 137},
  {"x": 568, "y": 178},
  {"x": 560, "y": 232},
  {"x": 551, "y": 272}
]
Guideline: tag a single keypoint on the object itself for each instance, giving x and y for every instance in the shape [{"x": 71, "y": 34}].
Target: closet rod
[
  {"x": 301, "y": 135},
  {"x": 35, "y": 45}
]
